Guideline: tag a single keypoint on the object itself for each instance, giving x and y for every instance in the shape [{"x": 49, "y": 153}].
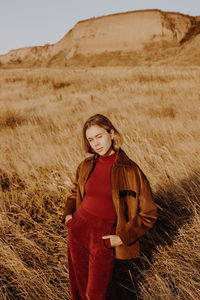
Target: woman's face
[{"x": 100, "y": 140}]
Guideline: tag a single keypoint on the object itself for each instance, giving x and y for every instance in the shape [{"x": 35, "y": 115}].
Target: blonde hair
[{"x": 104, "y": 122}]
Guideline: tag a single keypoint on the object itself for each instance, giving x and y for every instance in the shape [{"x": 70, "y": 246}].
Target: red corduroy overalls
[{"x": 90, "y": 258}]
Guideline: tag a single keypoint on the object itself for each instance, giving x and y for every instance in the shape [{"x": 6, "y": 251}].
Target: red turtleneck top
[{"x": 98, "y": 196}]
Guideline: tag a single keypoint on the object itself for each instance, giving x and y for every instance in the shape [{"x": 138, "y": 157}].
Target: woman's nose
[{"x": 96, "y": 142}]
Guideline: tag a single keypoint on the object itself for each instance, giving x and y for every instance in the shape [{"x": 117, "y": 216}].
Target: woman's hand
[
  {"x": 114, "y": 240},
  {"x": 67, "y": 218}
]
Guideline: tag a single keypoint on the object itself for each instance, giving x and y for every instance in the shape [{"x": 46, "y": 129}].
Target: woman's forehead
[{"x": 94, "y": 130}]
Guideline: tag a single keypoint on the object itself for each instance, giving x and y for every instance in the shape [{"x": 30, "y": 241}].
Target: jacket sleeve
[
  {"x": 70, "y": 204},
  {"x": 144, "y": 219}
]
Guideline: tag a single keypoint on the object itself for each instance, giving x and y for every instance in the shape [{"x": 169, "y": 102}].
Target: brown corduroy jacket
[{"x": 132, "y": 199}]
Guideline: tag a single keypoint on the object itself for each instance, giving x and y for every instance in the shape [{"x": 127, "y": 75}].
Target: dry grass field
[{"x": 42, "y": 111}]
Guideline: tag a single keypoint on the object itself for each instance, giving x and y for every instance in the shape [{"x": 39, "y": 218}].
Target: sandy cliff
[
  {"x": 118, "y": 33},
  {"x": 127, "y": 31}
]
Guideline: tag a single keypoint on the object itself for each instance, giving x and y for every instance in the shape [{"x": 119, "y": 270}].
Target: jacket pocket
[{"x": 125, "y": 193}]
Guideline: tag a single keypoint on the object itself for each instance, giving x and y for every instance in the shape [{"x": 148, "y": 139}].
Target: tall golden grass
[{"x": 42, "y": 112}]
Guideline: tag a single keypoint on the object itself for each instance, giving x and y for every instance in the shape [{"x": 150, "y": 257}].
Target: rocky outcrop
[
  {"x": 127, "y": 31},
  {"x": 118, "y": 33}
]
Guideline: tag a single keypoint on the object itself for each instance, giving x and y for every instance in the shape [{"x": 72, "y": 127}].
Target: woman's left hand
[{"x": 114, "y": 240}]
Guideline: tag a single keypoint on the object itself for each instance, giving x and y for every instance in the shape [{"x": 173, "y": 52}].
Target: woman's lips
[{"x": 99, "y": 149}]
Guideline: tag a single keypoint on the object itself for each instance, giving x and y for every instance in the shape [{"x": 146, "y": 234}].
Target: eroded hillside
[{"x": 115, "y": 40}]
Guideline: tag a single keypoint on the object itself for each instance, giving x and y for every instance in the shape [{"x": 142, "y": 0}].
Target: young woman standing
[{"x": 108, "y": 210}]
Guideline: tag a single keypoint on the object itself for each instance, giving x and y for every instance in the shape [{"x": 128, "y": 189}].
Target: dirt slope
[{"x": 118, "y": 33}]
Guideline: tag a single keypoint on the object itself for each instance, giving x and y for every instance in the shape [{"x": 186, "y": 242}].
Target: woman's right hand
[{"x": 67, "y": 218}]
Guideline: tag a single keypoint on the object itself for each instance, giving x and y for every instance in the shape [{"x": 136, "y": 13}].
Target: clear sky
[{"x": 38, "y": 22}]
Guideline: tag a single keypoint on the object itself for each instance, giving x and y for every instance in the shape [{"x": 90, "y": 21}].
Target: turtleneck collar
[
  {"x": 121, "y": 160},
  {"x": 108, "y": 159}
]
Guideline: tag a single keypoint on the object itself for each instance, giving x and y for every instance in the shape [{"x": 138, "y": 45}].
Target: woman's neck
[{"x": 109, "y": 152}]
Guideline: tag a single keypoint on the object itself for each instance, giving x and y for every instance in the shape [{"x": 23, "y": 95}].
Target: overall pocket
[
  {"x": 68, "y": 222},
  {"x": 107, "y": 242}
]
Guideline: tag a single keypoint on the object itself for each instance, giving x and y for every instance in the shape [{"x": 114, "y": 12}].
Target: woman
[{"x": 108, "y": 210}]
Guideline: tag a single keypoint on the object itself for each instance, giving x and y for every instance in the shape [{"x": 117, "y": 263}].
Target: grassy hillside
[{"x": 42, "y": 112}]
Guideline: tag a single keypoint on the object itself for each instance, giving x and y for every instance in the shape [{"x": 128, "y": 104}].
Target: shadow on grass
[{"x": 176, "y": 206}]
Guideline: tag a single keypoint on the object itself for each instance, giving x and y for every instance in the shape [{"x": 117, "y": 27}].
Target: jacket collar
[{"x": 121, "y": 160}]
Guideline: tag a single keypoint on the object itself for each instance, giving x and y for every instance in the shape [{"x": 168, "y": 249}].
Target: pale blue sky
[{"x": 38, "y": 22}]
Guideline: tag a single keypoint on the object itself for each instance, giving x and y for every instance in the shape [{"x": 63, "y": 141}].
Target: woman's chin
[{"x": 101, "y": 152}]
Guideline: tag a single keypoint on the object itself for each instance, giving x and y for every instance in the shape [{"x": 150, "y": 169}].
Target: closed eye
[{"x": 98, "y": 136}]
